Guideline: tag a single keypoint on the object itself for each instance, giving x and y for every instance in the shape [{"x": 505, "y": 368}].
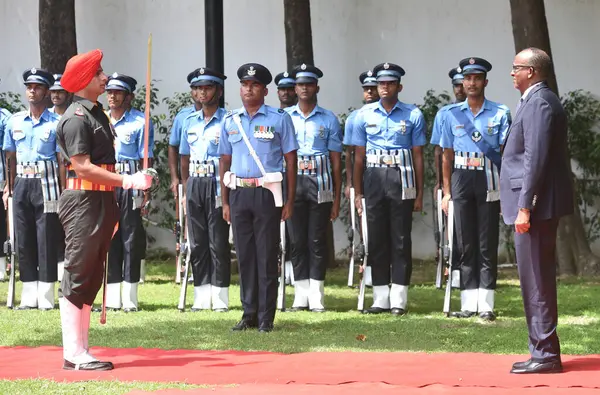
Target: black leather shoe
[
  {"x": 375, "y": 310},
  {"x": 463, "y": 314},
  {"x": 298, "y": 308},
  {"x": 224, "y": 310},
  {"x": 554, "y": 366},
  {"x": 96, "y": 365},
  {"x": 487, "y": 316},
  {"x": 265, "y": 327},
  {"x": 130, "y": 310},
  {"x": 398, "y": 311},
  {"x": 244, "y": 324},
  {"x": 318, "y": 310},
  {"x": 521, "y": 365}
]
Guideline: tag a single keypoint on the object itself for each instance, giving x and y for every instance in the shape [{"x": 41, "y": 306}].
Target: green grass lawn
[{"x": 425, "y": 328}]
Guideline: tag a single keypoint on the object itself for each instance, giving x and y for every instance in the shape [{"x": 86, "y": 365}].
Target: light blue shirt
[
  {"x": 403, "y": 128},
  {"x": 436, "y": 131},
  {"x": 130, "y": 136},
  {"x": 4, "y": 115},
  {"x": 32, "y": 140},
  {"x": 318, "y": 133},
  {"x": 492, "y": 121},
  {"x": 349, "y": 126},
  {"x": 271, "y": 134},
  {"x": 200, "y": 140},
  {"x": 175, "y": 137}
]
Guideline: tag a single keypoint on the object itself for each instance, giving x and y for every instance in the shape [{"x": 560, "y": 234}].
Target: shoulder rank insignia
[
  {"x": 79, "y": 111},
  {"x": 476, "y": 136}
]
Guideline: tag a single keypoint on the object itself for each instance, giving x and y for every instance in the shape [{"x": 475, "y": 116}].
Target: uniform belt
[
  {"x": 385, "y": 160},
  {"x": 32, "y": 169},
  {"x": 202, "y": 169},
  {"x": 125, "y": 168},
  {"x": 73, "y": 182},
  {"x": 470, "y": 161},
  {"x": 309, "y": 163},
  {"x": 249, "y": 182}
]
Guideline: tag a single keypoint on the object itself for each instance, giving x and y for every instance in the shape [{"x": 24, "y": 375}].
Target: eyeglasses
[{"x": 517, "y": 67}]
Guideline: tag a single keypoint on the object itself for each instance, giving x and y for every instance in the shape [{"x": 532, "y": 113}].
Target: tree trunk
[
  {"x": 58, "y": 40},
  {"x": 530, "y": 29},
  {"x": 298, "y": 32}
]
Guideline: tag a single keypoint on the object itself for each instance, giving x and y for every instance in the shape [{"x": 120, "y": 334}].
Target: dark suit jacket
[{"x": 535, "y": 173}]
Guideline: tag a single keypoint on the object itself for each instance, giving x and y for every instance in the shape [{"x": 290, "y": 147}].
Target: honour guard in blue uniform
[
  {"x": 30, "y": 146},
  {"x": 59, "y": 96},
  {"x": 458, "y": 89},
  {"x": 125, "y": 255},
  {"x": 208, "y": 232},
  {"x": 286, "y": 90},
  {"x": 4, "y": 115},
  {"x": 368, "y": 82},
  {"x": 254, "y": 141},
  {"x": 472, "y": 133},
  {"x": 286, "y": 93},
  {"x": 318, "y": 188},
  {"x": 389, "y": 135},
  {"x": 175, "y": 136}
]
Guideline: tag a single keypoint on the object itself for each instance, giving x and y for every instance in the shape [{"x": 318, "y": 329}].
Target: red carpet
[{"x": 387, "y": 370}]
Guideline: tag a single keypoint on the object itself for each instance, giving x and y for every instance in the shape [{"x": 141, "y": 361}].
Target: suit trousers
[
  {"x": 476, "y": 229},
  {"x": 35, "y": 232},
  {"x": 208, "y": 232},
  {"x": 308, "y": 231},
  {"x": 389, "y": 222},
  {"x": 255, "y": 222},
  {"x": 536, "y": 261}
]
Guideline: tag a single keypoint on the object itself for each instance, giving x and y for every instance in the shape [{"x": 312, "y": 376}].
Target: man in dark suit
[{"x": 535, "y": 191}]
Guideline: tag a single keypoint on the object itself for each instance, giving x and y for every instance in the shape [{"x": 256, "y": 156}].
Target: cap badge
[
  {"x": 386, "y": 65},
  {"x": 251, "y": 71},
  {"x": 201, "y": 70},
  {"x": 471, "y": 61},
  {"x": 115, "y": 75},
  {"x": 286, "y": 74},
  {"x": 458, "y": 69},
  {"x": 369, "y": 73},
  {"x": 33, "y": 71},
  {"x": 303, "y": 67}
]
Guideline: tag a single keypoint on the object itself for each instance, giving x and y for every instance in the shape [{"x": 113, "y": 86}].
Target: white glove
[{"x": 138, "y": 180}]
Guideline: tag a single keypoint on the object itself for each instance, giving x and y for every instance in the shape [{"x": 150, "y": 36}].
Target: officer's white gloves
[{"x": 138, "y": 180}]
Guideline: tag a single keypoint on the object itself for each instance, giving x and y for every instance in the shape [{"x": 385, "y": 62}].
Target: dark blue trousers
[
  {"x": 536, "y": 261},
  {"x": 255, "y": 222}
]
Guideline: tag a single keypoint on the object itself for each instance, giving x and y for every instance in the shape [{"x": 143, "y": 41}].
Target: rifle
[
  {"x": 9, "y": 243},
  {"x": 281, "y": 290},
  {"x": 184, "y": 279},
  {"x": 440, "y": 239},
  {"x": 448, "y": 293},
  {"x": 353, "y": 240},
  {"x": 179, "y": 233},
  {"x": 365, "y": 239}
]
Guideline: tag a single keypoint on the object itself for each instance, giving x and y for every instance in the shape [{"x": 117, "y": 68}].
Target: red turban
[{"x": 80, "y": 70}]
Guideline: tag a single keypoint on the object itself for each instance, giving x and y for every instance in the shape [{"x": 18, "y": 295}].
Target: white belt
[
  {"x": 33, "y": 169},
  {"x": 471, "y": 163},
  {"x": 388, "y": 160},
  {"x": 202, "y": 170},
  {"x": 307, "y": 164}
]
